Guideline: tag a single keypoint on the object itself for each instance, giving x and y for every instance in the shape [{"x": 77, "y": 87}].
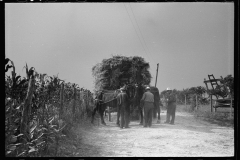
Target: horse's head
[
  {"x": 135, "y": 93},
  {"x": 116, "y": 92},
  {"x": 139, "y": 90},
  {"x": 130, "y": 90}
]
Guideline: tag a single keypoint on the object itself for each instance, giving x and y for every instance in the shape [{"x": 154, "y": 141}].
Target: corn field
[{"x": 39, "y": 110}]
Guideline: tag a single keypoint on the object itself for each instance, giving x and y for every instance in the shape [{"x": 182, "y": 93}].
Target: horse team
[{"x": 122, "y": 99}]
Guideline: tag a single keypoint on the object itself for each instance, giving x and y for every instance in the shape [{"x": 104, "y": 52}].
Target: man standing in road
[
  {"x": 148, "y": 105},
  {"x": 123, "y": 107},
  {"x": 171, "y": 106}
]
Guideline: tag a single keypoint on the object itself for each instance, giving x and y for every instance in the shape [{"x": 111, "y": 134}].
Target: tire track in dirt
[{"x": 189, "y": 137}]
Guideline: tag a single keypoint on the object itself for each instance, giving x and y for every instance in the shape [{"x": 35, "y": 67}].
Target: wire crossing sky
[{"x": 188, "y": 40}]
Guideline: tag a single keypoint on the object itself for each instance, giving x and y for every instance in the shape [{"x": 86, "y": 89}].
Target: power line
[
  {"x": 142, "y": 37},
  {"x": 140, "y": 32},
  {"x": 180, "y": 70},
  {"x": 135, "y": 30}
]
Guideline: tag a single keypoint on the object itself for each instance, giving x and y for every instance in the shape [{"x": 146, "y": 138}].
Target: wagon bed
[{"x": 223, "y": 103}]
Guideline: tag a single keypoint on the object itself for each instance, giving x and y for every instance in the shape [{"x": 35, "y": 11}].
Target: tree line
[{"x": 224, "y": 89}]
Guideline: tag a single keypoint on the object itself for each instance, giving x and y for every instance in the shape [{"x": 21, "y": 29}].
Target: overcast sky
[{"x": 188, "y": 40}]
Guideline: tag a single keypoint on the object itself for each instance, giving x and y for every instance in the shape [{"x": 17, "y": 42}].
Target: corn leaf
[
  {"x": 12, "y": 147},
  {"x": 32, "y": 150},
  {"x": 33, "y": 128}
]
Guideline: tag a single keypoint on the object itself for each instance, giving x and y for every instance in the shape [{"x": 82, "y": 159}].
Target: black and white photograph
[{"x": 122, "y": 79}]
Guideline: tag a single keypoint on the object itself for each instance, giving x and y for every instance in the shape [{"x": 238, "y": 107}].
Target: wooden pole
[
  {"x": 86, "y": 102},
  {"x": 74, "y": 103},
  {"x": 215, "y": 109},
  {"x": 231, "y": 108},
  {"x": 26, "y": 107},
  {"x": 156, "y": 76},
  {"x": 109, "y": 114},
  {"x": 82, "y": 103},
  {"x": 176, "y": 99},
  {"x": 211, "y": 103},
  {"x": 164, "y": 101},
  {"x": 98, "y": 115},
  {"x": 196, "y": 103},
  {"x": 185, "y": 100},
  {"x": 61, "y": 100}
]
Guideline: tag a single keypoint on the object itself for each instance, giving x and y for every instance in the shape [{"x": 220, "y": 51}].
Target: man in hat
[
  {"x": 148, "y": 105},
  {"x": 171, "y": 106},
  {"x": 123, "y": 107}
]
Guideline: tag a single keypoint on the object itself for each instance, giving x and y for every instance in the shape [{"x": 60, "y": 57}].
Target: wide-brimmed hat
[
  {"x": 147, "y": 88},
  {"x": 168, "y": 89}
]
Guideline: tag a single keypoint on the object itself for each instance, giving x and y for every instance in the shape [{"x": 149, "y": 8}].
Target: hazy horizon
[{"x": 188, "y": 40}]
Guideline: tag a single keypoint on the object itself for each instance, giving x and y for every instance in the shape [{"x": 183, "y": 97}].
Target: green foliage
[
  {"x": 44, "y": 127},
  {"x": 12, "y": 119},
  {"x": 228, "y": 81},
  {"x": 226, "y": 88},
  {"x": 221, "y": 118},
  {"x": 190, "y": 94},
  {"x": 109, "y": 72}
]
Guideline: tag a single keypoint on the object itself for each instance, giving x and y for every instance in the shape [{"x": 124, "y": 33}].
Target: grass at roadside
[
  {"x": 70, "y": 144},
  {"x": 220, "y": 117}
]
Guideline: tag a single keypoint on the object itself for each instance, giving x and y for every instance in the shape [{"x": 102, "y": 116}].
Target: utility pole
[{"x": 156, "y": 76}]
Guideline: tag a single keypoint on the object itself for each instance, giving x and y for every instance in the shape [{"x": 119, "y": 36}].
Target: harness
[
  {"x": 110, "y": 92},
  {"x": 107, "y": 92},
  {"x": 104, "y": 91},
  {"x": 107, "y": 101}
]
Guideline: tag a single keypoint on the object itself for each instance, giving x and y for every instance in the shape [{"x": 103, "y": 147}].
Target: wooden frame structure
[{"x": 224, "y": 102}]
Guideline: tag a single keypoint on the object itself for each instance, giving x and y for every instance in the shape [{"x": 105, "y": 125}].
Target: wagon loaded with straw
[{"x": 115, "y": 72}]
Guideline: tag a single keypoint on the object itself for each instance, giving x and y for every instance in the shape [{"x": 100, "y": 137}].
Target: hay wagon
[{"x": 224, "y": 101}]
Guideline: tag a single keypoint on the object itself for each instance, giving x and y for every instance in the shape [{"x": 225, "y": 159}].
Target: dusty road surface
[{"x": 189, "y": 137}]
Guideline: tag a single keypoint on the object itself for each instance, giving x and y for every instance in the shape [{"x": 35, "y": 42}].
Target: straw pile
[{"x": 109, "y": 74}]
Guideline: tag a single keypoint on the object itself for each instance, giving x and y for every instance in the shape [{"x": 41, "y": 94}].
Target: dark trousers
[
  {"x": 171, "y": 112},
  {"x": 118, "y": 115},
  {"x": 124, "y": 116},
  {"x": 148, "y": 113}
]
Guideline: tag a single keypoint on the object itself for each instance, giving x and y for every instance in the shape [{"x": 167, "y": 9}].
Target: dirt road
[{"x": 189, "y": 137}]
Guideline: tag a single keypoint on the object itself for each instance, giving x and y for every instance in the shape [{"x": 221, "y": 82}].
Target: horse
[
  {"x": 103, "y": 99},
  {"x": 108, "y": 98},
  {"x": 139, "y": 91}
]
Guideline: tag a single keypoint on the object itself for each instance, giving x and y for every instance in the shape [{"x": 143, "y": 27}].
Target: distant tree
[
  {"x": 228, "y": 81},
  {"x": 181, "y": 96}
]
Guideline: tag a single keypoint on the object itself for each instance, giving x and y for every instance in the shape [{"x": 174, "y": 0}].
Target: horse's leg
[
  {"x": 118, "y": 115},
  {"x": 154, "y": 112},
  {"x": 122, "y": 117},
  {"x": 105, "y": 113},
  {"x": 93, "y": 113},
  {"x": 159, "y": 111},
  {"x": 101, "y": 110},
  {"x": 141, "y": 116},
  {"x": 127, "y": 117},
  {"x": 129, "y": 114}
]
